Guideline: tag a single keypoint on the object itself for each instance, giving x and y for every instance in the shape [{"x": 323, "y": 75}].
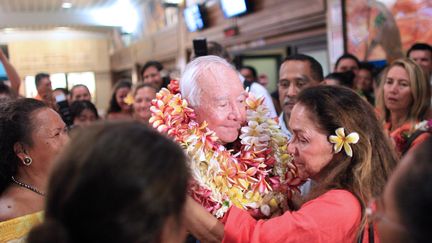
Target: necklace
[
  {"x": 260, "y": 167},
  {"x": 31, "y": 188}
]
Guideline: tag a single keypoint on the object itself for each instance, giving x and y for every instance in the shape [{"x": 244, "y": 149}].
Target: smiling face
[
  {"x": 397, "y": 90},
  {"x": 294, "y": 77},
  {"x": 309, "y": 145},
  {"x": 80, "y": 93},
  {"x": 152, "y": 76},
  {"x": 142, "y": 103},
  {"x": 221, "y": 102},
  {"x": 120, "y": 96},
  {"x": 49, "y": 136}
]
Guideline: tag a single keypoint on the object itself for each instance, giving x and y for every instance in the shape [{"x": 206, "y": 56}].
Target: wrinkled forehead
[{"x": 217, "y": 77}]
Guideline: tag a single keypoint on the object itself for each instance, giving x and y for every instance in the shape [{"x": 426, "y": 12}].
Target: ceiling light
[
  {"x": 174, "y": 1},
  {"x": 66, "y": 5},
  {"x": 62, "y": 28}
]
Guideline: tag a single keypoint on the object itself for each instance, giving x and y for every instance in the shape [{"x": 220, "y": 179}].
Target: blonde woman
[{"x": 403, "y": 101}]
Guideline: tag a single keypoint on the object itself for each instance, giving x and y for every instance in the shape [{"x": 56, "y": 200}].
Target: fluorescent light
[
  {"x": 126, "y": 16},
  {"x": 174, "y": 1},
  {"x": 67, "y": 5},
  {"x": 62, "y": 28}
]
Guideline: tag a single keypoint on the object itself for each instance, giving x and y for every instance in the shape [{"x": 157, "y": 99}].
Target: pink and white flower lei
[{"x": 260, "y": 177}]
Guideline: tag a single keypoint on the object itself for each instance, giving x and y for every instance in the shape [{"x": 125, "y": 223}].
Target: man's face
[
  {"x": 247, "y": 74},
  {"x": 44, "y": 87},
  {"x": 222, "y": 102},
  {"x": 152, "y": 76},
  {"x": 424, "y": 59},
  {"x": 347, "y": 64},
  {"x": 80, "y": 93},
  {"x": 363, "y": 80},
  {"x": 294, "y": 77}
]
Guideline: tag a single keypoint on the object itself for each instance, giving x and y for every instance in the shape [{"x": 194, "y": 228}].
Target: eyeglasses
[{"x": 375, "y": 213}]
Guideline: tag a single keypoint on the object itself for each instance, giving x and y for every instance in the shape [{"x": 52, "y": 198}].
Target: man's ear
[{"x": 20, "y": 151}]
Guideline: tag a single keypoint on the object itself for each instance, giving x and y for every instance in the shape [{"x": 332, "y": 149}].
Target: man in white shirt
[
  {"x": 296, "y": 73},
  {"x": 250, "y": 81}
]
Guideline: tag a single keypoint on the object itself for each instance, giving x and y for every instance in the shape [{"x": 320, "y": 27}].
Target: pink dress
[{"x": 332, "y": 217}]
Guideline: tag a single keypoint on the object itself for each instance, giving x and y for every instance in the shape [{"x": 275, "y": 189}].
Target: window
[{"x": 63, "y": 80}]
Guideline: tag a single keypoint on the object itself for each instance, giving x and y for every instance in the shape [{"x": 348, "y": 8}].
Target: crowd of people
[{"x": 359, "y": 140}]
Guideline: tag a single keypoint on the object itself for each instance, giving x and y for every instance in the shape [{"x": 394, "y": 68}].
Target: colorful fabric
[
  {"x": 333, "y": 217},
  {"x": 15, "y": 230}
]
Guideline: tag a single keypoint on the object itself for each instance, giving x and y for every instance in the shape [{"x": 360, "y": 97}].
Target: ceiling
[{"x": 42, "y": 14}]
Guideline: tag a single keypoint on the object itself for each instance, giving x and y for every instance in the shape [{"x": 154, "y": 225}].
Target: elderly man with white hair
[
  {"x": 213, "y": 89},
  {"x": 237, "y": 152}
]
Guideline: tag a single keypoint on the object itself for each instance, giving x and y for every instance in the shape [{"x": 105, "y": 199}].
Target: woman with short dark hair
[{"x": 32, "y": 134}]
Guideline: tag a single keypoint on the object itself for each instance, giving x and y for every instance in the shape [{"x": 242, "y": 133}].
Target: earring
[{"x": 27, "y": 161}]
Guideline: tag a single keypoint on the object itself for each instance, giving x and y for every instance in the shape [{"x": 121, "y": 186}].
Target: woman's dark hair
[
  {"x": 80, "y": 105},
  {"x": 114, "y": 106},
  {"x": 345, "y": 79},
  {"x": 5, "y": 90},
  {"x": 366, "y": 172},
  {"x": 154, "y": 64},
  {"x": 15, "y": 127},
  {"x": 413, "y": 193},
  {"x": 347, "y": 56},
  {"x": 115, "y": 182}
]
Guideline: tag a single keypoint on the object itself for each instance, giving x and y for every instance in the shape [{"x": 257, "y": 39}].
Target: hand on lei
[{"x": 259, "y": 177}]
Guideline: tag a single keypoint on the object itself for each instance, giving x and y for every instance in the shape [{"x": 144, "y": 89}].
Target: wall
[
  {"x": 62, "y": 52},
  {"x": 272, "y": 22}
]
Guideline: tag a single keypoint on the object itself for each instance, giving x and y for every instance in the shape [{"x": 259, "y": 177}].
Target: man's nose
[
  {"x": 237, "y": 112},
  {"x": 292, "y": 91}
]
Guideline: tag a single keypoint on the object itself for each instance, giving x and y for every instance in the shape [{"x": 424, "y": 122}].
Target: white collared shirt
[{"x": 284, "y": 127}]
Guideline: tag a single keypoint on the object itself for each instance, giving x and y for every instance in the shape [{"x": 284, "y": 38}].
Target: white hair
[{"x": 189, "y": 87}]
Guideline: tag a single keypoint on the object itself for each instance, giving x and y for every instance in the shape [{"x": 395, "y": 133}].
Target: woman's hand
[{"x": 201, "y": 223}]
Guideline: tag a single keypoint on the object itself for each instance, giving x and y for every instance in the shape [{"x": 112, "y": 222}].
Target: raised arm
[
  {"x": 202, "y": 224},
  {"x": 11, "y": 72}
]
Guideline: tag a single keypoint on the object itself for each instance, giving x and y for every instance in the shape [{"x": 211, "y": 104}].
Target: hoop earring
[{"x": 27, "y": 161}]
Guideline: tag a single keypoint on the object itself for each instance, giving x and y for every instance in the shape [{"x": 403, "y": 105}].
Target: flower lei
[
  {"x": 260, "y": 177},
  {"x": 403, "y": 137}
]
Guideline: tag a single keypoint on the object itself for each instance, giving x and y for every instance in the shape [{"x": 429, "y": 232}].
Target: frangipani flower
[
  {"x": 129, "y": 99},
  {"x": 340, "y": 140}
]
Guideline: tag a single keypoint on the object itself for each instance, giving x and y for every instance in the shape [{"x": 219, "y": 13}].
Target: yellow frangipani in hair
[
  {"x": 129, "y": 99},
  {"x": 340, "y": 140}
]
